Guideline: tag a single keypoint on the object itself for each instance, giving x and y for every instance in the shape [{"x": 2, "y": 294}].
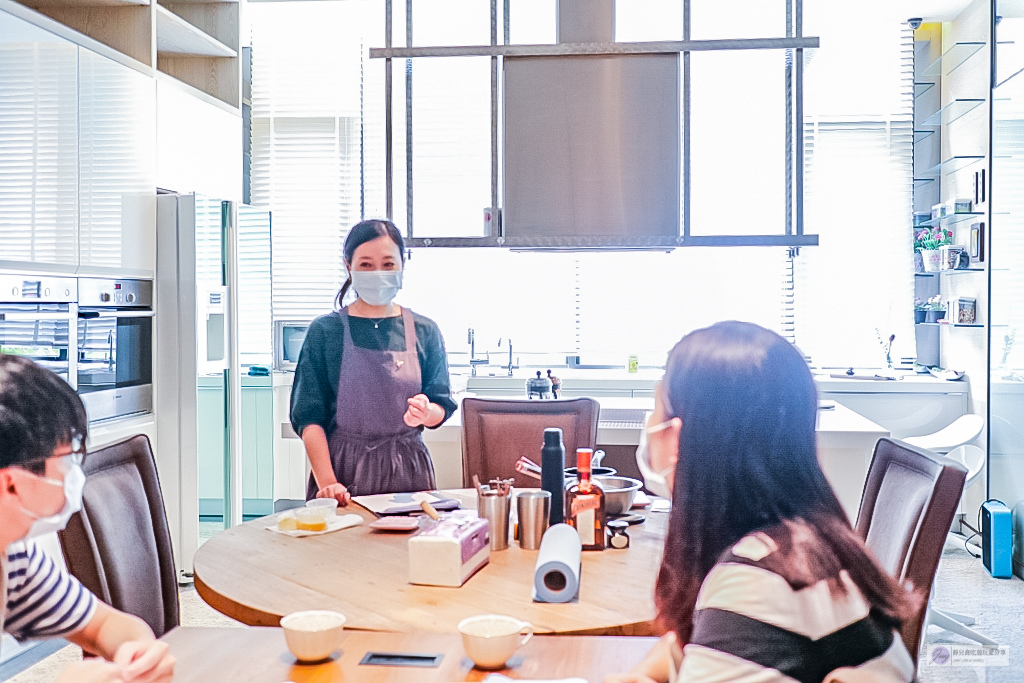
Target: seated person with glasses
[
  {"x": 763, "y": 578},
  {"x": 43, "y": 427}
]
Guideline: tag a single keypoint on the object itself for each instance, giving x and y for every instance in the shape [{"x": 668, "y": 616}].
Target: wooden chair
[
  {"x": 496, "y": 433},
  {"x": 119, "y": 546},
  {"x": 910, "y": 498}
]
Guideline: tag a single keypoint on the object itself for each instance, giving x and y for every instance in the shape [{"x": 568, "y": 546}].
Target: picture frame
[{"x": 976, "y": 248}]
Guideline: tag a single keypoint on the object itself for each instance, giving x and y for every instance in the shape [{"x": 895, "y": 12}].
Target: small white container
[
  {"x": 330, "y": 503},
  {"x": 490, "y": 639},
  {"x": 313, "y": 635}
]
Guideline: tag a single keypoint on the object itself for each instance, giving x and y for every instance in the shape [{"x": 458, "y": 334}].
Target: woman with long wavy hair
[{"x": 763, "y": 578}]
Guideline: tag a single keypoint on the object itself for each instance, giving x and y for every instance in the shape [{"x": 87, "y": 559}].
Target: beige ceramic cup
[
  {"x": 490, "y": 639},
  {"x": 314, "y": 634}
]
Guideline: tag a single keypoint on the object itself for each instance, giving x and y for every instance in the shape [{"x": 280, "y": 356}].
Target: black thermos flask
[{"x": 552, "y": 472}]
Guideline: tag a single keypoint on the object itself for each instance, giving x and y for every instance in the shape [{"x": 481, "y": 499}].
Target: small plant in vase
[
  {"x": 927, "y": 242},
  {"x": 920, "y": 310},
  {"x": 936, "y": 310}
]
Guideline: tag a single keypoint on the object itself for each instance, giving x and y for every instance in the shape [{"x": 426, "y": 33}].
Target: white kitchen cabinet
[
  {"x": 117, "y": 168},
  {"x": 38, "y": 148}
]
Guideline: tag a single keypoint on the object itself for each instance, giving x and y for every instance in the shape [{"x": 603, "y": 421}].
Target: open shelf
[
  {"x": 951, "y": 271},
  {"x": 950, "y": 219},
  {"x": 953, "y": 111},
  {"x": 952, "y": 58},
  {"x": 920, "y": 135},
  {"x": 177, "y": 38},
  {"x": 88, "y": 3},
  {"x": 954, "y": 164},
  {"x": 951, "y": 324},
  {"x": 921, "y": 88}
]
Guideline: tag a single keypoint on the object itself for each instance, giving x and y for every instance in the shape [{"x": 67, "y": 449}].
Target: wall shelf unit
[
  {"x": 951, "y": 219},
  {"x": 952, "y": 58},
  {"x": 951, "y": 325},
  {"x": 954, "y": 164},
  {"x": 175, "y": 37},
  {"x": 921, "y": 87},
  {"x": 951, "y": 271},
  {"x": 198, "y": 43}
]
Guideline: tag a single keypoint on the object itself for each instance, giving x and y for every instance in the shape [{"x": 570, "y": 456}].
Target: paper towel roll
[{"x": 557, "y": 574}]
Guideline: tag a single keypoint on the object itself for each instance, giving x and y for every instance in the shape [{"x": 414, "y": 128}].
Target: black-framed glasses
[{"x": 37, "y": 466}]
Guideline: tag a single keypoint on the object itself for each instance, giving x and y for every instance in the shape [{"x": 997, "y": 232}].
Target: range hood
[{"x": 592, "y": 143}]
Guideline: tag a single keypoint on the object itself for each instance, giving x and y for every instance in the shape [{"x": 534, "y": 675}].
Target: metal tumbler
[
  {"x": 533, "y": 508},
  {"x": 495, "y": 509}
]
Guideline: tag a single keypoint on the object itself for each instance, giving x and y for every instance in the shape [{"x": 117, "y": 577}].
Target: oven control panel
[
  {"x": 95, "y": 292},
  {"x": 35, "y": 289}
]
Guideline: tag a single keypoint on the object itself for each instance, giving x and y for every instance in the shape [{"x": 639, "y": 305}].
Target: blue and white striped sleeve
[{"x": 43, "y": 601}]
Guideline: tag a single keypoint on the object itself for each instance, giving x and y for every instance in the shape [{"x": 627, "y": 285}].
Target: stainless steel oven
[
  {"x": 115, "y": 347},
  {"x": 37, "y": 320}
]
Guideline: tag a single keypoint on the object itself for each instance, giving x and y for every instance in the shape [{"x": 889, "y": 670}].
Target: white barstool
[{"x": 953, "y": 440}]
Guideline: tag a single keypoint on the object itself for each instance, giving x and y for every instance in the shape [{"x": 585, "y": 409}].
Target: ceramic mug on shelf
[{"x": 953, "y": 257}]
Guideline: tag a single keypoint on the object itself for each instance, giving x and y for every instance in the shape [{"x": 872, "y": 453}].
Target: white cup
[
  {"x": 314, "y": 634},
  {"x": 490, "y": 639}
]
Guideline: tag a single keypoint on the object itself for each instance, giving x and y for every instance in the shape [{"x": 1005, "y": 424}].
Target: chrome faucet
[
  {"x": 473, "y": 360},
  {"x": 510, "y": 366}
]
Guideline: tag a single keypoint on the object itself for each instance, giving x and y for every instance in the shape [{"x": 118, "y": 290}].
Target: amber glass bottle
[{"x": 584, "y": 504}]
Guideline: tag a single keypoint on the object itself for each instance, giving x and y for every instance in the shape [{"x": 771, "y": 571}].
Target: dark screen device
[{"x": 419, "y": 659}]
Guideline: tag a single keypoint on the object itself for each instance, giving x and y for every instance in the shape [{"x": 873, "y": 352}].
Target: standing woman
[{"x": 369, "y": 378}]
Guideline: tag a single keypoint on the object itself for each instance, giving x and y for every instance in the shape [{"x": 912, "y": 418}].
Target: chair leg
[{"x": 944, "y": 621}]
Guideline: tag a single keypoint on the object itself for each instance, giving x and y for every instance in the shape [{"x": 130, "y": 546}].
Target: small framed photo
[{"x": 977, "y": 244}]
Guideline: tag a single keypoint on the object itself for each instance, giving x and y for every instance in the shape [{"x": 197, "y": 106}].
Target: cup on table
[
  {"x": 314, "y": 634},
  {"x": 495, "y": 509},
  {"x": 490, "y": 639},
  {"x": 330, "y": 504},
  {"x": 533, "y": 509}
]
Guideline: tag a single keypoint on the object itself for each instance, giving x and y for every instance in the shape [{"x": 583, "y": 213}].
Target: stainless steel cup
[
  {"x": 495, "y": 509},
  {"x": 533, "y": 508}
]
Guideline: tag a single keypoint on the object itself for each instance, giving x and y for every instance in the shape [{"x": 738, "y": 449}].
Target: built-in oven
[
  {"x": 37, "y": 320},
  {"x": 115, "y": 347}
]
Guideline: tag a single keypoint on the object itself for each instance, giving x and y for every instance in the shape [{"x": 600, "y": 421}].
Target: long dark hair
[
  {"x": 361, "y": 233},
  {"x": 38, "y": 412},
  {"x": 748, "y": 461}
]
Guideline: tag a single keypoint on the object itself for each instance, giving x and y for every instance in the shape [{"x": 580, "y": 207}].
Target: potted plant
[
  {"x": 920, "y": 310},
  {"x": 936, "y": 310},
  {"x": 927, "y": 242}
]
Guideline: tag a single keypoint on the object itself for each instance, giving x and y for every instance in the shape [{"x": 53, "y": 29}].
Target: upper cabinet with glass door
[
  {"x": 117, "y": 165},
  {"x": 38, "y": 148}
]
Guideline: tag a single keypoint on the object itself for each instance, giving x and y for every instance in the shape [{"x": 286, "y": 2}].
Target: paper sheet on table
[
  {"x": 405, "y": 503},
  {"x": 337, "y": 524},
  {"x": 502, "y": 678}
]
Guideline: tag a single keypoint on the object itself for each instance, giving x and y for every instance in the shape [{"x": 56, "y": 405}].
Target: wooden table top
[
  {"x": 257, "y": 576},
  {"x": 257, "y": 655}
]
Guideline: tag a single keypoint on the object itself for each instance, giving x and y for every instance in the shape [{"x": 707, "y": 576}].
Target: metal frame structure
[{"x": 794, "y": 43}]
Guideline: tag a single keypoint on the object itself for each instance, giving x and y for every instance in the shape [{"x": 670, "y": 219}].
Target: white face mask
[
  {"x": 74, "y": 482},
  {"x": 655, "y": 482},
  {"x": 377, "y": 287}
]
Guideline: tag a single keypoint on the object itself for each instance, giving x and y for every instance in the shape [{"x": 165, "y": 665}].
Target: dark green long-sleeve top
[{"x": 315, "y": 387}]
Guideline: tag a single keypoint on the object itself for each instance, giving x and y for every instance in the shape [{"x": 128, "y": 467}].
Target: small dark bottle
[{"x": 552, "y": 473}]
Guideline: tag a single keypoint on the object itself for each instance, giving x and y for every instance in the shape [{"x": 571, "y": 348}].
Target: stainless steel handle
[
  {"x": 115, "y": 314},
  {"x": 39, "y": 316}
]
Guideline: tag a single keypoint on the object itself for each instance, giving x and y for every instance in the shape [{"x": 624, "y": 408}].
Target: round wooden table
[{"x": 257, "y": 576}]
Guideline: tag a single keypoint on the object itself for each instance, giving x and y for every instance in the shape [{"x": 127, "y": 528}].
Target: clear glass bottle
[{"x": 584, "y": 504}]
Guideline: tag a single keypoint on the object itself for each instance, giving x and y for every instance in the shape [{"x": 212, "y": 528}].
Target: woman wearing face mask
[
  {"x": 369, "y": 378},
  {"x": 42, "y": 436},
  {"x": 763, "y": 578}
]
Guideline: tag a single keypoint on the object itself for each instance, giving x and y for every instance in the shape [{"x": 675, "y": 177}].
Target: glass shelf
[
  {"x": 920, "y": 135},
  {"x": 921, "y": 88},
  {"x": 952, "y": 111},
  {"x": 951, "y": 271},
  {"x": 954, "y": 164},
  {"x": 950, "y": 324},
  {"x": 952, "y": 58},
  {"x": 918, "y": 182},
  {"x": 950, "y": 219}
]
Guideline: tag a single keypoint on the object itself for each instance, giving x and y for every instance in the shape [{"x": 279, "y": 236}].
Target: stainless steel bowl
[{"x": 619, "y": 493}]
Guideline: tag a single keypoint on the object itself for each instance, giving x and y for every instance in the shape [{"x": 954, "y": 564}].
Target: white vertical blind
[{"x": 255, "y": 326}]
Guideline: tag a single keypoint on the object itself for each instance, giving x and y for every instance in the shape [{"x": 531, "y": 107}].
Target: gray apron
[{"x": 372, "y": 449}]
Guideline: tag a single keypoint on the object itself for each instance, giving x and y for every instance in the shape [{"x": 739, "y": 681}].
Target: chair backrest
[
  {"x": 119, "y": 546},
  {"x": 964, "y": 429},
  {"x": 910, "y": 498},
  {"x": 496, "y": 433}
]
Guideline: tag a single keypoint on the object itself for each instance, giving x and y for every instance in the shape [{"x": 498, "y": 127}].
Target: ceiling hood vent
[{"x": 591, "y": 142}]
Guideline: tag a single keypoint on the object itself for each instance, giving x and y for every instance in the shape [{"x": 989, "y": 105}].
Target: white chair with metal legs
[{"x": 953, "y": 440}]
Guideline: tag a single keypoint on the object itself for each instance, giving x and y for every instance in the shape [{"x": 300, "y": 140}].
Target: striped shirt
[
  {"x": 41, "y": 599},
  {"x": 752, "y": 626}
]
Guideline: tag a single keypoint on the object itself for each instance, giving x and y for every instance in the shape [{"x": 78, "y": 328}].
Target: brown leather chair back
[
  {"x": 496, "y": 433},
  {"x": 910, "y": 499},
  {"x": 118, "y": 546}
]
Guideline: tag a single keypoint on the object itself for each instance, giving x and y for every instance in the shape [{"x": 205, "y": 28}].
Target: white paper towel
[{"x": 557, "y": 574}]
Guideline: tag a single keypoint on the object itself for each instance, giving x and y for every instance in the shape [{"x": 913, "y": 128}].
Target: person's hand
[
  {"x": 418, "y": 411},
  {"x": 92, "y": 671},
  {"x": 628, "y": 678},
  {"x": 336, "y": 491},
  {"x": 145, "y": 661}
]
